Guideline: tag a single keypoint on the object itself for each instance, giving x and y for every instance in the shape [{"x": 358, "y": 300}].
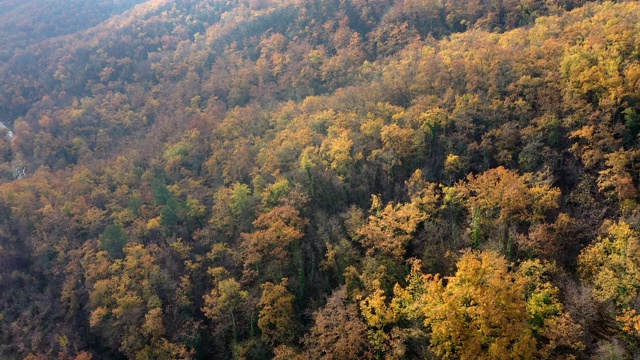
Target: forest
[{"x": 326, "y": 179}]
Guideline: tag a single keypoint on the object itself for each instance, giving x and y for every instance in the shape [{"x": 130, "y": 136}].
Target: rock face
[
  {"x": 17, "y": 164},
  {"x": 9, "y": 132}
]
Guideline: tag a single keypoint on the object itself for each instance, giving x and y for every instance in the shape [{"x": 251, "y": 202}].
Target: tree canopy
[{"x": 354, "y": 179}]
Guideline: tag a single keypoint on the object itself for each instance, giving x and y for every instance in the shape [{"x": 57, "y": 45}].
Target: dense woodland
[{"x": 330, "y": 179}]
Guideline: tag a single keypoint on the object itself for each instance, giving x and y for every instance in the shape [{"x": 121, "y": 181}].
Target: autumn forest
[{"x": 319, "y": 179}]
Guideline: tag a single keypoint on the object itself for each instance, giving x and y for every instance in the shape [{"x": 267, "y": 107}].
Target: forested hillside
[{"x": 353, "y": 179}]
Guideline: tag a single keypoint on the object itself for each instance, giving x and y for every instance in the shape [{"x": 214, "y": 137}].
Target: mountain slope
[{"x": 233, "y": 179}]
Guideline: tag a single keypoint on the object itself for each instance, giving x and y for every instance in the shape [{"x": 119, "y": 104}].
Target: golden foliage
[
  {"x": 390, "y": 229},
  {"x": 509, "y": 196},
  {"x": 612, "y": 264},
  {"x": 277, "y": 316}
]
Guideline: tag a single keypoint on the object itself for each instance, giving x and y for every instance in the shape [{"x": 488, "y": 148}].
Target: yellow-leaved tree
[
  {"x": 224, "y": 303},
  {"x": 611, "y": 265},
  {"x": 277, "y": 317},
  {"x": 390, "y": 228},
  {"x": 500, "y": 198},
  {"x": 126, "y": 308},
  {"x": 480, "y": 312},
  {"x": 486, "y": 310},
  {"x": 267, "y": 250}
]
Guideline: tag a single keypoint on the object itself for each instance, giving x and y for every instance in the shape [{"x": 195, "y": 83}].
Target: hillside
[{"x": 330, "y": 179}]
